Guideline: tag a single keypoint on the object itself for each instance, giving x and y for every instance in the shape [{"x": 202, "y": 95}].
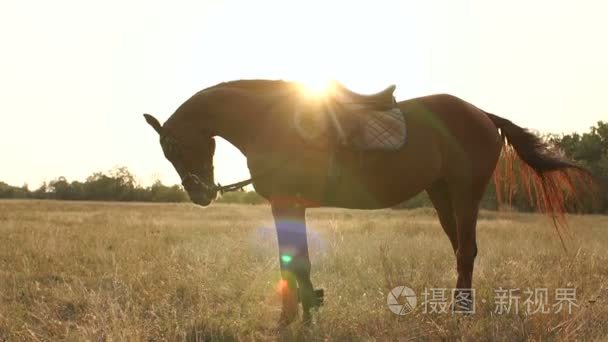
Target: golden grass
[{"x": 134, "y": 272}]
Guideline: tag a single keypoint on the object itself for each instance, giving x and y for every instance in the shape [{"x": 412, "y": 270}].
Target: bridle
[
  {"x": 168, "y": 143},
  {"x": 217, "y": 187}
]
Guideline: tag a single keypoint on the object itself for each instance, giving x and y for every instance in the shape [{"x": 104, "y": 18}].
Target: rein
[
  {"x": 232, "y": 187},
  {"x": 217, "y": 187},
  {"x": 239, "y": 185}
]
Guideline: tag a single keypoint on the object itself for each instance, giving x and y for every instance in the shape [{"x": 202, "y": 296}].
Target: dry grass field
[{"x": 148, "y": 272}]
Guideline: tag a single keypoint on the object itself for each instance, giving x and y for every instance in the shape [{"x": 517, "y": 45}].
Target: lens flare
[
  {"x": 316, "y": 87},
  {"x": 286, "y": 258},
  {"x": 282, "y": 286}
]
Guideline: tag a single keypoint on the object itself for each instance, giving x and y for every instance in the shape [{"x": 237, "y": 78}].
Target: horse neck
[
  {"x": 236, "y": 114},
  {"x": 236, "y": 120},
  {"x": 235, "y": 131}
]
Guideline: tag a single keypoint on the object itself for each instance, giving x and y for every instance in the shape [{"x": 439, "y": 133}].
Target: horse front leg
[{"x": 290, "y": 221}]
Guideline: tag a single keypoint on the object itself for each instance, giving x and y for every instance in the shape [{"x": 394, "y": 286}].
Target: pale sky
[{"x": 76, "y": 76}]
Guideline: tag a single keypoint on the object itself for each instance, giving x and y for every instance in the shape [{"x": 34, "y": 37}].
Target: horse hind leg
[
  {"x": 465, "y": 198},
  {"x": 440, "y": 196},
  {"x": 457, "y": 210},
  {"x": 466, "y": 220}
]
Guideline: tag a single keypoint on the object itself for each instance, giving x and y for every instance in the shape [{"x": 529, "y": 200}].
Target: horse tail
[{"x": 548, "y": 180}]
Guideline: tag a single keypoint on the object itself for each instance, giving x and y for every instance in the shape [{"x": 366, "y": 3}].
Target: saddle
[
  {"x": 346, "y": 119},
  {"x": 383, "y": 100}
]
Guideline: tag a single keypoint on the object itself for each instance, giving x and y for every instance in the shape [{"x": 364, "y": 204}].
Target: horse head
[{"x": 191, "y": 154}]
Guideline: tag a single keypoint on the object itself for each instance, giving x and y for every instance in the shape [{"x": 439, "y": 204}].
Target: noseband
[{"x": 194, "y": 179}]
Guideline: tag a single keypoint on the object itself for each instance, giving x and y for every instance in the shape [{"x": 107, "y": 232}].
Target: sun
[{"x": 315, "y": 86}]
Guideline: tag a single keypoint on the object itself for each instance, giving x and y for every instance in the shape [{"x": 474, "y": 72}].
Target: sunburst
[{"x": 316, "y": 86}]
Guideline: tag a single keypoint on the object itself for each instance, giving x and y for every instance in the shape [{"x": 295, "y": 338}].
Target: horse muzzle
[{"x": 199, "y": 192}]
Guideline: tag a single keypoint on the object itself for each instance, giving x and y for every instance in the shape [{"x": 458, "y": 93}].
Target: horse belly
[{"x": 386, "y": 179}]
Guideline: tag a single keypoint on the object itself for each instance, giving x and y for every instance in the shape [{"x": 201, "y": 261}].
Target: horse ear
[{"x": 153, "y": 122}]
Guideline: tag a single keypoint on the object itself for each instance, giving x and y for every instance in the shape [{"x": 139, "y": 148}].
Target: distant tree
[
  {"x": 161, "y": 193},
  {"x": 119, "y": 185},
  {"x": 100, "y": 187},
  {"x": 41, "y": 192},
  {"x": 591, "y": 151},
  {"x": 124, "y": 183}
]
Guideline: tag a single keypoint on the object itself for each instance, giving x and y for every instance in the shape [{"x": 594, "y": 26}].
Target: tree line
[
  {"x": 589, "y": 150},
  {"x": 118, "y": 184}
]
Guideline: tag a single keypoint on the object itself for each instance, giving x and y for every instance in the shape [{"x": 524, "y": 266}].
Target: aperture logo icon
[{"x": 401, "y": 300}]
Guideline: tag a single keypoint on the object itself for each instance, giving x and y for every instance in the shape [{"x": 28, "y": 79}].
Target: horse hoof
[{"x": 319, "y": 297}]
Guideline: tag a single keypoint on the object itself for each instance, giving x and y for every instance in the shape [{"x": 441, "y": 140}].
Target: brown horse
[{"x": 451, "y": 152}]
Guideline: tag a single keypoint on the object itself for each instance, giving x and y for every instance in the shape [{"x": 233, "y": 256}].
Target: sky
[{"x": 76, "y": 76}]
